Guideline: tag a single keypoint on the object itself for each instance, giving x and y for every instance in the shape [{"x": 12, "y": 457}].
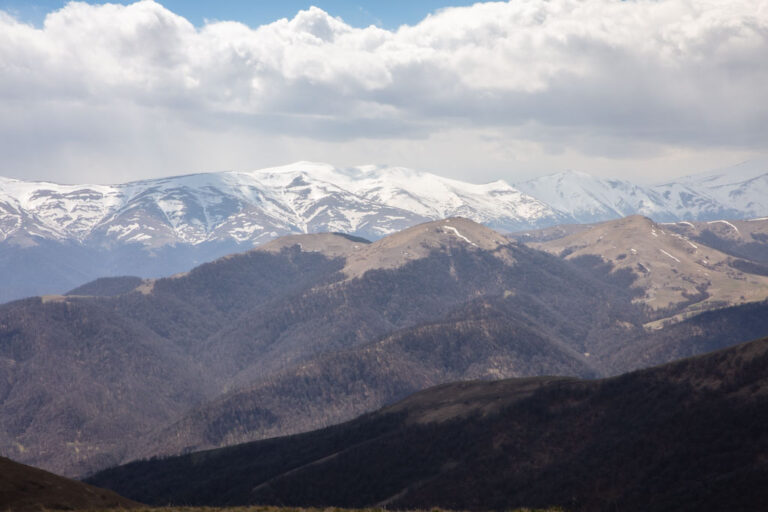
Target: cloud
[{"x": 598, "y": 78}]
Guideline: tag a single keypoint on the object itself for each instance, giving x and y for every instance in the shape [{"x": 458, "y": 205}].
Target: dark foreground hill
[
  {"x": 686, "y": 436},
  {"x": 24, "y": 488}
]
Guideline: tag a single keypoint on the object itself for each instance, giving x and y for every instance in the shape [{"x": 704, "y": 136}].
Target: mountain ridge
[{"x": 167, "y": 225}]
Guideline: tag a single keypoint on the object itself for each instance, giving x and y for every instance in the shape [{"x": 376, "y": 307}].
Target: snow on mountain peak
[
  {"x": 369, "y": 200},
  {"x": 581, "y": 196}
]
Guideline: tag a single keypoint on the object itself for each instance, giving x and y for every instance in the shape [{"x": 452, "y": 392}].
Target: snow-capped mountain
[
  {"x": 252, "y": 207},
  {"x": 742, "y": 188},
  {"x": 54, "y": 237},
  {"x": 585, "y": 198},
  {"x": 735, "y": 192}
]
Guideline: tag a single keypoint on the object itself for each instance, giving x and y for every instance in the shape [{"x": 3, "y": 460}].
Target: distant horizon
[{"x": 642, "y": 91}]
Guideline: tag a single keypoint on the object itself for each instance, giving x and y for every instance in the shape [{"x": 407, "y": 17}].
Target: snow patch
[
  {"x": 724, "y": 222},
  {"x": 667, "y": 254},
  {"x": 456, "y": 232}
]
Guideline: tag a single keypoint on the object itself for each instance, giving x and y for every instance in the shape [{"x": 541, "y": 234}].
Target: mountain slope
[
  {"x": 740, "y": 188},
  {"x": 708, "y": 331},
  {"x": 684, "y": 436},
  {"x": 24, "y": 488},
  {"x": 81, "y": 376},
  {"x": 736, "y": 192},
  {"x": 583, "y": 198},
  {"x": 77, "y": 378},
  {"x": 487, "y": 339},
  {"x": 673, "y": 272},
  {"x": 747, "y": 239}
]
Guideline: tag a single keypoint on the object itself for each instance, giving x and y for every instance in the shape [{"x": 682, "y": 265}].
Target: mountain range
[
  {"x": 309, "y": 330},
  {"x": 56, "y": 237}
]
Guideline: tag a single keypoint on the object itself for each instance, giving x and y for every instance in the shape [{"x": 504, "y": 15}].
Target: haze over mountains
[
  {"x": 56, "y": 237},
  {"x": 310, "y": 330}
]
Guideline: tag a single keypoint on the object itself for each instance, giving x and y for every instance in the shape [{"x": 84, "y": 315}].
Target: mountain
[
  {"x": 744, "y": 239},
  {"x": 740, "y": 188},
  {"x": 24, "y": 488},
  {"x": 151, "y": 228},
  {"x": 736, "y": 192},
  {"x": 485, "y": 339},
  {"x": 252, "y": 338},
  {"x": 76, "y": 378},
  {"x": 582, "y": 198},
  {"x": 302, "y": 332},
  {"x": 705, "y": 332},
  {"x": 684, "y": 436},
  {"x": 249, "y": 207},
  {"x": 673, "y": 271},
  {"x": 84, "y": 377}
]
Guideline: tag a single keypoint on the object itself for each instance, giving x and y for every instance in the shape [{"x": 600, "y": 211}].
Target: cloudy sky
[{"x": 639, "y": 89}]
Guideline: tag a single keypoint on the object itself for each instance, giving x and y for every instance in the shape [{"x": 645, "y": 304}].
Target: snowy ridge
[
  {"x": 736, "y": 192},
  {"x": 372, "y": 201},
  {"x": 253, "y": 207},
  {"x": 588, "y": 199}
]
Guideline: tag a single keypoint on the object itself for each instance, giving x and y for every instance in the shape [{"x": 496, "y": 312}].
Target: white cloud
[{"x": 138, "y": 87}]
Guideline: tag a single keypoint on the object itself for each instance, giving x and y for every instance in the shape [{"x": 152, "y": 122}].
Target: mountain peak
[{"x": 420, "y": 241}]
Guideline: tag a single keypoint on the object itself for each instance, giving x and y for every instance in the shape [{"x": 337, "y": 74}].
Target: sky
[
  {"x": 389, "y": 14},
  {"x": 645, "y": 90}
]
